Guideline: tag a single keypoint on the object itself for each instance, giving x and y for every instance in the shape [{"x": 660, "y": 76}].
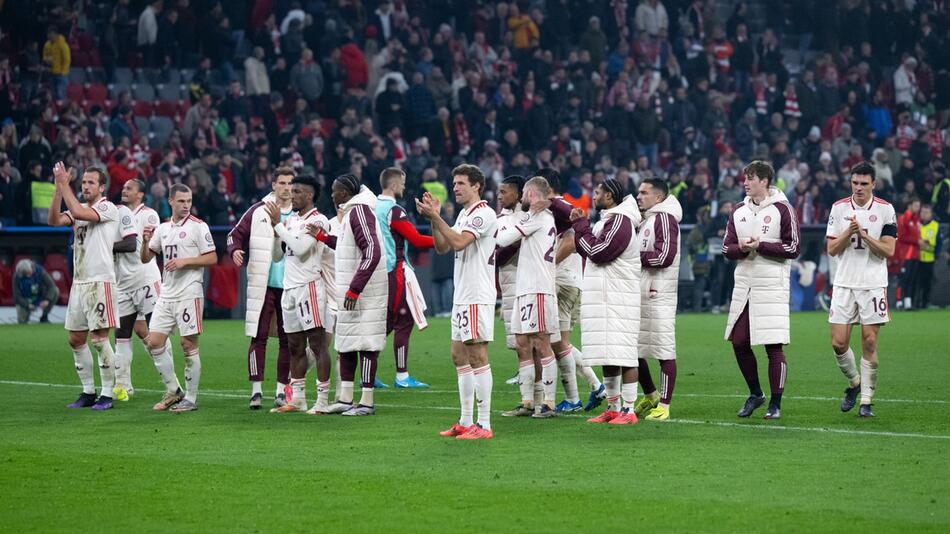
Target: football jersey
[
  {"x": 305, "y": 264},
  {"x": 857, "y": 267},
  {"x": 570, "y": 271},
  {"x": 475, "y": 264},
  {"x": 92, "y": 244},
  {"x": 131, "y": 273},
  {"x": 328, "y": 269},
  {"x": 188, "y": 238},
  {"x": 536, "y": 270}
]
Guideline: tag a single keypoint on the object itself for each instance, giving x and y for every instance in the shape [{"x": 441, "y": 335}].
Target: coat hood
[
  {"x": 364, "y": 197},
  {"x": 628, "y": 207},
  {"x": 670, "y": 205},
  {"x": 775, "y": 196}
]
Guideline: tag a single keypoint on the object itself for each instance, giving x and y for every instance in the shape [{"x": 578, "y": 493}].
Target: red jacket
[
  {"x": 354, "y": 62},
  {"x": 908, "y": 236}
]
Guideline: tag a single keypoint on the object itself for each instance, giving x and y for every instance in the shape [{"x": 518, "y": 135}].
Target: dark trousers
[
  {"x": 398, "y": 317},
  {"x": 925, "y": 275},
  {"x": 257, "y": 352}
]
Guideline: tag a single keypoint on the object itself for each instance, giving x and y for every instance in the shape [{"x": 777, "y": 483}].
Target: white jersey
[
  {"x": 92, "y": 244},
  {"x": 475, "y": 264},
  {"x": 857, "y": 267},
  {"x": 570, "y": 271},
  {"x": 188, "y": 238},
  {"x": 328, "y": 267},
  {"x": 302, "y": 251},
  {"x": 131, "y": 273},
  {"x": 536, "y": 270}
]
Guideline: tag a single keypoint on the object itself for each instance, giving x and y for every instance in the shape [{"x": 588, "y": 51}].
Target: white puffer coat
[
  {"x": 328, "y": 272},
  {"x": 363, "y": 328},
  {"x": 762, "y": 281},
  {"x": 610, "y": 297},
  {"x": 658, "y": 285},
  {"x": 259, "y": 259}
]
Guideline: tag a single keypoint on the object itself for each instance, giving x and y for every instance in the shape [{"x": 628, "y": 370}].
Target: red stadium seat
[
  {"x": 97, "y": 93},
  {"x": 58, "y": 269},
  {"x": 165, "y": 108},
  {"x": 75, "y": 92},
  {"x": 142, "y": 109},
  {"x": 6, "y": 285}
]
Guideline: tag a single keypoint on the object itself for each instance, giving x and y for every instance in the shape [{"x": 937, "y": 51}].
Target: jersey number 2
[{"x": 549, "y": 255}]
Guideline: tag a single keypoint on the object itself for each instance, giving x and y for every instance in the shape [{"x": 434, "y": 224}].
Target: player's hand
[
  {"x": 854, "y": 227},
  {"x": 349, "y": 304},
  {"x": 238, "y": 257},
  {"x": 539, "y": 205},
  {"x": 576, "y": 213},
  {"x": 147, "y": 233},
  {"x": 174, "y": 265},
  {"x": 748, "y": 244},
  {"x": 273, "y": 211},
  {"x": 62, "y": 175},
  {"x": 315, "y": 229},
  {"x": 424, "y": 209}
]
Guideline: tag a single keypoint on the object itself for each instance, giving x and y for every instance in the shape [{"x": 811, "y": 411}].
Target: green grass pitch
[{"x": 225, "y": 468}]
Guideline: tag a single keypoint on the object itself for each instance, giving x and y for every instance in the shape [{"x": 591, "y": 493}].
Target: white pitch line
[{"x": 822, "y": 430}]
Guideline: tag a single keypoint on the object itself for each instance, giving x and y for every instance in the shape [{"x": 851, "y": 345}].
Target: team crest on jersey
[
  {"x": 873, "y": 218},
  {"x": 126, "y": 220},
  {"x": 477, "y": 222},
  {"x": 646, "y": 232},
  {"x": 152, "y": 219},
  {"x": 182, "y": 235},
  {"x": 101, "y": 207},
  {"x": 768, "y": 219},
  {"x": 208, "y": 238}
]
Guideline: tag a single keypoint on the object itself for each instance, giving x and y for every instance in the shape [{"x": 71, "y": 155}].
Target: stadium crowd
[{"x": 218, "y": 94}]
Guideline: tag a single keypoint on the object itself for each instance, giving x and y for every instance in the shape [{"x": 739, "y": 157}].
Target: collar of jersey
[{"x": 865, "y": 207}]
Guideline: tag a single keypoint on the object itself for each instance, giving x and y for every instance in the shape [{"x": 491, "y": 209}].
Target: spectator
[
  {"x": 908, "y": 251},
  {"x": 651, "y": 17},
  {"x": 148, "y": 33},
  {"x": 905, "y": 82},
  {"x": 33, "y": 290},
  {"x": 307, "y": 77},
  {"x": 257, "y": 80},
  {"x": 57, "y": 57},
  {"x": 524, "y": 31},
  {"x": 594, "y": 41},
  {"x": 421, "y": 106}
]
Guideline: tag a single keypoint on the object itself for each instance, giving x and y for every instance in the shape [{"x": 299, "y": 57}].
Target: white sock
[
  {"x": 162, "y": 358},
  {"x": 483, "y": 387},
  {"x": 339, "y": 382},
  {"x": 257, "y": 388},
  {"x": 280, "y": 389},
  {"x": 549, "y": 379},
  {"x": 83, "y": 359},
  {"x": 323, "y": 392},
  {"x": 868, "y": 381},
  {"x": 366, "y": 398},
  {"x": 402, "y": 376},
  {"x": 466, "y": 394},
  {"x": 565, "y": 365},
  {"x": 123, "y": 362},
  {"x": 192, "y": 375},
  {"x": 585, "y": 371},
  {"x": 106, "y": 369},
  {"x": 612, "y": 385},
  {"x": 526, "y": 382},
  {"x": 345, "y": 391},
  {"x": 848, "y": 368},
  {"x": 538, "y": 395},
  {"x": 628, "y": 393},
  {"x": 300, "y": 392}
]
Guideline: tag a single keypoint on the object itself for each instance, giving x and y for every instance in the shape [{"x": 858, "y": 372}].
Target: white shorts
[
  {"x": 140, "y": 301},
  {"x": 473, "y": 323},
  {"x": 859, "y": 306},
  {"x": 184, "y": 314},
  {"x": 568, "y": 307},
  {"x": 91, "y": 307},
  {"x": 535, "y": 313},
  {"x": 304, "y": 307}
]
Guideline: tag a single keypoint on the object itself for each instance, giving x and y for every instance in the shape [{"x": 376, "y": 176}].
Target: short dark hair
[
  {"x": 103, "y": 176},
  {"x": 139, "y": 184},
  {"x": 178, "y": 188},
  {"x": 473, "y": 173},
  {"x": 864, "y": 168},
  {"x": 762, "y": 170},
  {"x": 350, "y": 182},
  {"x": 516, "y": 180},
  {"x": 659, "y": 185},
  {"x": 284, "y": 171},
  {"x": 310, "y": 182},
  {"x": 389, "y": 175},
  {"x": 615, "y": 188},
  {"x": 552, "y": 176}
]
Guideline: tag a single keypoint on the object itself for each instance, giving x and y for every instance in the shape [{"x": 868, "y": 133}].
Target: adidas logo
[
  {"x": 742, "y": 219},
  {"x": 548, "y": 382}
]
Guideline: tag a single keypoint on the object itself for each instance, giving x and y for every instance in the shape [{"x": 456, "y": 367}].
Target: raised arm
[
  {"x": 666, "y": 242},
  {"x": 401, "y": 225},
  {"x": 565, "y": 248},
  {"x": 56, "y": 217},
  {"x": 883, "y": 247},
  {"x": 789, "y": 247},
  {"x": 76, "y": 210},
  {"x": 300, "y": 244}
]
